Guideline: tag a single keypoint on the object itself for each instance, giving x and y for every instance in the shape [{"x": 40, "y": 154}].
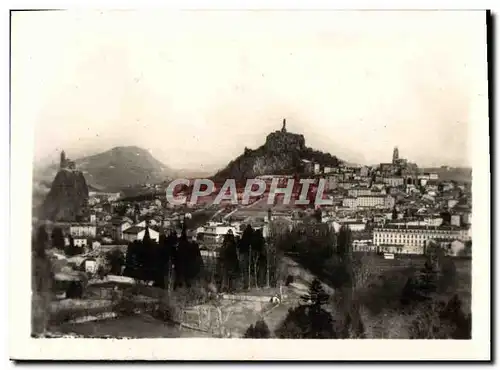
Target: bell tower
[{"x": 395, "y": 155}]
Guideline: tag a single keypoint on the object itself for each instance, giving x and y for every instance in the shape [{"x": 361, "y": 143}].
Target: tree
[
  {"x": 316, "y": 295},
  {"x": 58, "y": 238},
  {"x": 258, "y": 255},
  {"x": 42, "y": 282},
  {"x": 115, "y": 260},
  {"x": 188, "y": 262},
  {"x": 71, "y": 249},
  {"x": 446, "y": 216},
  {"x": 260, "y": 330},
  {"x": 318, "y": 216},
  {"x": 75, "y": 290},
  {"x": 394, "y": 215},
  {"x": 345, "y": 271},
  {"x": 438, "y": 320},
  {"x": 40, "y": 242},
  {"x": 134, "y": 261},
  {"x": 245, "y": 252},
  {"x": 164, "y": 258},
  {"x": 228, "y": 263},
  {"x": 305, "y": 322}
]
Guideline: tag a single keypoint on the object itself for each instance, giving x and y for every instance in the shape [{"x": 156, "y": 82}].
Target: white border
[{"x": 24, "y": 347}]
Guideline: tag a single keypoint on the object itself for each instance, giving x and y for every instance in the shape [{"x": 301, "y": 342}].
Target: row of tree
[
  {"x": 172, "y": 262},
  {"x": 246, "y": 262}
]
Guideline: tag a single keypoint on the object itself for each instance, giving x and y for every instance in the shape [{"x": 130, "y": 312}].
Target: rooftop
[{"x": 134, "y": 230}]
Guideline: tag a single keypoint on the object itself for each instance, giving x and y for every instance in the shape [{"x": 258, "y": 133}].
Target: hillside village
[{"x": 392, "y": 211}]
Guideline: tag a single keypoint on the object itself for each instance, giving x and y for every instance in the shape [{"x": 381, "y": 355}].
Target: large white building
[
  {"x": 393, "y": 181},
  {"x": 82, "y": 229},
  {"x": 369, "y": 201},
  {"x": 413, "y": 239}
]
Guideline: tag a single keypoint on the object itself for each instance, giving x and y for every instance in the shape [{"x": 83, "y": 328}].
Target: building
[
  {"x": 119, "y": 225},
  {"x": 317, "y": 169},
  {"x": 359, "y": 191},
  {"x": 413, "y": 239},
  {"x": 81, "y": 229},
  {"x": 80, "y": 242},
  {"x": 213, "y": 235},
  {"x": 137, "y": 233},
  {"x": 90, "y": 265},
  {"x": 352, "y": 225},
  {"x": 363, "y": 245},
  {"x": 308, "y": 166},
  {"x": 370, "y": 201},
  {"x": 452, "y": 247},
  {"x": 395, "y": 155},
  {"x": 393, "y": 181},
  {"x": 456, "y": 220},
  {"x": 364, "y": 171},
  {"x": 349, "y": 202}
]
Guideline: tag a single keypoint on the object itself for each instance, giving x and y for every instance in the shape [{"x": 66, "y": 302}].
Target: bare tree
[
  {"x": 364, "y": 268},
  {"x": 256, "y": 269}
]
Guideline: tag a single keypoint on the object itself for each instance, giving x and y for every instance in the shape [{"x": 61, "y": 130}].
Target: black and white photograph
[{"x": 232, "y": 175}]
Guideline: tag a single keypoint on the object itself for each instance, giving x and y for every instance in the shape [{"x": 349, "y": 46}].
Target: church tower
[
  {"x": 395, "y": 155},
  {"x": 62, "y": 164}
]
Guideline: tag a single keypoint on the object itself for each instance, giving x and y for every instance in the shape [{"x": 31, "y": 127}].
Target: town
[{"x": 216, "y": 268}]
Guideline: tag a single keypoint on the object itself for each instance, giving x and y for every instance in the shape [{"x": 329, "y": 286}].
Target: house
[
  {"x": 90, "y": 265},
  {"x": 119, "y": 225},
  {"x": 456, "y": 220},
  {"x": 77, "y": 242},
  {"x": 80, "y": 242},
  {"x": 352, "y": 225},
  {"x": 363, "y": 172},
  {"x": 83, "y": 230},
  {"x": 137, "y": 233}
]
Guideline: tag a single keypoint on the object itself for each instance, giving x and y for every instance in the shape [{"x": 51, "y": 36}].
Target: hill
[
  {"x": 445, "y": 173},
  {"x": 122, "y": 166},
  {"x": 67, "y": 198},
  {"x": 114, "y": 169},
  {"x": 282, "y": 153}
]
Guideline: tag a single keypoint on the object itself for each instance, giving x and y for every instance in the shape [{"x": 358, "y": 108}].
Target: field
[{"x": 127, "y": 327}]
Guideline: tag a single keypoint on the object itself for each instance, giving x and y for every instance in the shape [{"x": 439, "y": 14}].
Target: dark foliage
[
  {"x": 259, "y": 331},
  {"x": 229, "y": 271},
  {"x": 116, "y": 260},
  {"x": 438, "y": 320},
  {"x": 74, "y": 290},
  {"x": 306, "y": 322},
  {"x": 72, "y": 249},
  {"x": 316, "y": 295},
  {"x": 58, "y": 238}
]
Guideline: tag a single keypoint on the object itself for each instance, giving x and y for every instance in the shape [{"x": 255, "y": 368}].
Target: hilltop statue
[{"x": 283, "y": 129}]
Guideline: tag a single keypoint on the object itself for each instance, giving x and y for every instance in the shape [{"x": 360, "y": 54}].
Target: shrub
[{"x": 260, "y": 330}]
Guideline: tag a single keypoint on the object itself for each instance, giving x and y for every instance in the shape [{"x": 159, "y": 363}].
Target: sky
[{"x": 197, "y": 87}]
